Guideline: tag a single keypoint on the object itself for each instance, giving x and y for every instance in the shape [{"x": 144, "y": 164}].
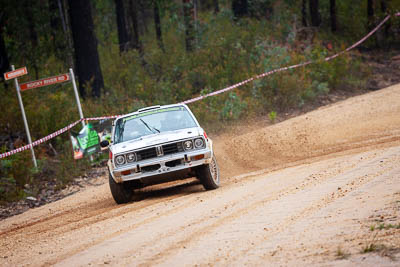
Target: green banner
[{"x": 86, "y": 142}]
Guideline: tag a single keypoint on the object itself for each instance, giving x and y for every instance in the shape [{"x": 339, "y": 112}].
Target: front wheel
[
  {"x": 209, "y": 175},
  {"x": 121, "y": 192}
]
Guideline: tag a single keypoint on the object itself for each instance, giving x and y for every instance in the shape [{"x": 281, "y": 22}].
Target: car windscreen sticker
[{"x": 152, "y": 112}]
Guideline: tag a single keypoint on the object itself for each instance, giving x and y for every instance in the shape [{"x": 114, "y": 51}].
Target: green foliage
[
  {"x": 227, "y": 52},
  {"x": 15, "y": 179},
  {"x": 232, "y": 108},
  {"x": 383, "y": 226},
  {"x": 260, "y": 8},
  {"x": 369, "y": 248},
  {"x": 68, "y": 168},
  {"x": 341, "y": 254},
  {"x": 13, "y": 176},
  {"x": 272, "y": 116}
]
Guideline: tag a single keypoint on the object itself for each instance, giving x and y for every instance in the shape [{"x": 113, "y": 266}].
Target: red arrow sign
[
  {"x": 15, "y": 73},
  {"x": 44, "y": 82}
]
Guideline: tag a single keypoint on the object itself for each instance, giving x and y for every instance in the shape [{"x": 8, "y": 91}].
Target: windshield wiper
[{"x": 151, "y": 128}]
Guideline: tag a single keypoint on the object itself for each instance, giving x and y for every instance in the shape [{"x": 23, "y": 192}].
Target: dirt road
[{"x": 322, "y": 188}]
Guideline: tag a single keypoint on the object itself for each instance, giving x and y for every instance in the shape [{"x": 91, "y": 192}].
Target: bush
[
  {"x": 13, "y": 176},
  {"x": 227, "y": 52},
  {"x": 17, "y": 182}
]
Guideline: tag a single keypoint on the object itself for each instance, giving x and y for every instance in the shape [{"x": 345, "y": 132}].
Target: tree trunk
[
  {"x": 56, "y": 24},
  {"x": 85, "y": 44},
  {"x": 135, "y": 38},
  {"x": 142, "y": 15},
  {"x": 157, "y": 23},
  {"x": 370, "y": 14},
  {"x": 188, "y": 14},
  {"x": 4, "y": 63},
  {"x": 304, "y": 12},
  {"x": 55, "y": 21},
  {"x": 121, "y": 25},
  {"x": 388, "y": 24},
  {"x": 62, "y": 4},
  {"x": 216, "y": 6},
  {"x": 33, "y": 40},
  {"x": 333, "y": 15},
  {"x": 314, "y": 12},
  {"x": 239, "y": 8},
  {"x": 383, "y": 6}
]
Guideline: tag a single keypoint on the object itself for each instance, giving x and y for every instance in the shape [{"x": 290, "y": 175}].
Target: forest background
[{"x": 130, "y": 54}]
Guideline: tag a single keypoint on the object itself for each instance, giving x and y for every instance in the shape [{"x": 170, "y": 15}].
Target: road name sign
[
  {"x": 44, "y": 82},
  {"x": 15, "y": 73}
]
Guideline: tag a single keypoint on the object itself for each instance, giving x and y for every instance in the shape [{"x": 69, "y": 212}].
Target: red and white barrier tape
[
  {"x": 287, "y": 68},
  {"x": 63, "y": 130},
  {"x": 51, "y": 136},
  {"x": 42, "y": 140}
]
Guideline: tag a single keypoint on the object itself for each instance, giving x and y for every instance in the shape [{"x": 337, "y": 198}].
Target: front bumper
[{"x": 161, "y": 165}]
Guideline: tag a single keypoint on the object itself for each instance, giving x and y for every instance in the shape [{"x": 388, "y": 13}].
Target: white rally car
[{"x": 156, "y": 145}]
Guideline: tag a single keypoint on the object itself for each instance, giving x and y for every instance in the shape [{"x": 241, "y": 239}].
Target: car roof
[{"x": 151, "y": 108}]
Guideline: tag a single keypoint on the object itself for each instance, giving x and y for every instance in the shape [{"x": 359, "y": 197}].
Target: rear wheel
[
  {"x": 121, "y": 192},
  {"x": 209, "y": 175}
]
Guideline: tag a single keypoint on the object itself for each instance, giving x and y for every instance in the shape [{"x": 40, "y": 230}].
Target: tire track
[
  {"x": 205, "y": 224},
  {"x": 44, "y": 232},
  {"x": 212, "y": 230},
  {"x": 346, "y": 189},
  {"x": 335, "y": 146},
  {"x": 90, "y": 211},
  {"x": 200, "y": 219}
]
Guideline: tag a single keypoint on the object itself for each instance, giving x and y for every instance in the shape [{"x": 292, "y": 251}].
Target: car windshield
[{"x": 152, "y": 122}]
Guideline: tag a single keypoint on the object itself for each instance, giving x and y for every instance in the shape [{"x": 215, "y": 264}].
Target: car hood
[{"x": 154, "y": 139}]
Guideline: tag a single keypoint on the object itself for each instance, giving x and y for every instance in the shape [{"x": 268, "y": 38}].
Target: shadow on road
[{"x": 178, "y": 188}]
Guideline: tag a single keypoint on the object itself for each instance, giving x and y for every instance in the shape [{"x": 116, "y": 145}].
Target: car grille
[
  {"x": 172, "y": 148},
  {"x": 146, "y": 153},
  {"x": 152, "y": 152}
]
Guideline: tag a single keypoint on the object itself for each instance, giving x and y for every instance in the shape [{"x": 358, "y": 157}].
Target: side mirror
[{"x": 104, "y": 143}]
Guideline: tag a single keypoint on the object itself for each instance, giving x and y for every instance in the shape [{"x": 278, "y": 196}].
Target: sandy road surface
[{"x": 316, "y": 189}]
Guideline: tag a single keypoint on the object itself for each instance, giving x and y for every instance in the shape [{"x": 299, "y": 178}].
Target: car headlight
[
  {"x": 131, "y": 157},
  {"x": 187, "y": 145},
  {"x": 119, "y": 160},
  {"x": 199, "y": 143}
]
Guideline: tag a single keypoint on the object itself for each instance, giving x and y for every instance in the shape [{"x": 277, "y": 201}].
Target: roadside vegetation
[
  {"x": 341, "y": 254},
  {"x": 375, "y": 244},
  {"x": 194, "y": 57},
  {"x": 384, "y": 226}
]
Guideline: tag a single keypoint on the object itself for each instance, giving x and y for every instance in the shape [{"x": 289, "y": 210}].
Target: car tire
[
  {"x": 208, "y": 175},
  {"x": 121, "y": 192}
]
